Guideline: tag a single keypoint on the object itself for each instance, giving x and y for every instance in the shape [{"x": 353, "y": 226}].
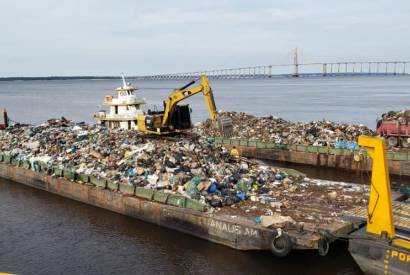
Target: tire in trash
[
  {"x": 323, "y": 246},
  {"x": 405, "y": 142},
  {"x": 392, "y": 142},
  {"x": 281, "y": 246}
]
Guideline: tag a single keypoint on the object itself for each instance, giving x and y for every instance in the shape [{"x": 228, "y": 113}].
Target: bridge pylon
[{"x": 295, "y": 63}]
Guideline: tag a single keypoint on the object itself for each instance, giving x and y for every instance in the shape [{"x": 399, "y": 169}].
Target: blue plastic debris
[
  {"x": 346, "y": 145},
  {"x": 241, "y": 196},
  {"x": 131, "y": 172},
  {"x": 212, "y": 188}
]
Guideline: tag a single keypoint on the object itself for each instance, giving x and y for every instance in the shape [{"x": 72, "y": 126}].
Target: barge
[
  {"x": 156, "y": 207},
  {"x": 318, "y": 156}
]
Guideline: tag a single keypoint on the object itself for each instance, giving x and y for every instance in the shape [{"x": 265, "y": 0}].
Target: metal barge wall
[
  {"x": 320, "y": 156},
  {"x": 220, "y": 230}
]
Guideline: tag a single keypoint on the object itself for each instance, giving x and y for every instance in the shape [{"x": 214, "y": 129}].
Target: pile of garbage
[
  {"x": 403, "y": 115},
  {"x": 195, "y": 167},
  {"x": 280, "y": 131},
  {"x": 310, "y": 202}
]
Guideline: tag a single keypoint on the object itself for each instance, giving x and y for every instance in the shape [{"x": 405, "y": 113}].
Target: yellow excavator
[
  {"x": 177, "y": 118},
  {"x": 382, "y": 245}
]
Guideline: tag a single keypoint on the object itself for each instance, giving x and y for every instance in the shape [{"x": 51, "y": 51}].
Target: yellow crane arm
[
  {"x": 179, "y": 95},
  {"x": 209, "y": 98},
  {"x": 380, "y": 216}
]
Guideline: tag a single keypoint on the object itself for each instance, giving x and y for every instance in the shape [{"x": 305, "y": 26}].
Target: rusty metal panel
[
  {"x": 323, "y": 160},
  {"x": 404, "y": 168},
  {"x": 269, "y": 154},
  {"x": 395, "y": 166},
  {"x": 142, "y": 209},
  {"x": 311, "y": 158},
  {"x": 298, "y": 157},
  {"x": 284, "y": 155}
]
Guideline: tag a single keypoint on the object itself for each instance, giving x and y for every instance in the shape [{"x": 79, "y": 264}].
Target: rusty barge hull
[
  {"x": 319, "y": 156},
  {"x": 234, "y": 232}
]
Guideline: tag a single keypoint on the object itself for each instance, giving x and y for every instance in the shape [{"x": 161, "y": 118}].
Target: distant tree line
[{"x": 57, "y": 78}]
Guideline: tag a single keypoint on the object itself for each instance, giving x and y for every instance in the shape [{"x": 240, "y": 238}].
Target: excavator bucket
[{"x": 225, "y": 126}]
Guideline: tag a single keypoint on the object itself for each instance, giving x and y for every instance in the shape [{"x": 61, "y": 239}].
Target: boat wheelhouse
[{"x": 123, "y": 109}]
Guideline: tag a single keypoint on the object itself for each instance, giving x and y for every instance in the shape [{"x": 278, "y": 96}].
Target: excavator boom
[
  {"x": 185, "y": 92},
  {"x": 209, "y": 99}
]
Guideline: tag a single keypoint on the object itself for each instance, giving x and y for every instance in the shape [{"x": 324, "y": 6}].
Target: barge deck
[{"x": 240, "y": 233}]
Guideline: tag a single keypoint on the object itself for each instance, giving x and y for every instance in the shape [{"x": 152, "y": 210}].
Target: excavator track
[{"x": 172, "y": 136}]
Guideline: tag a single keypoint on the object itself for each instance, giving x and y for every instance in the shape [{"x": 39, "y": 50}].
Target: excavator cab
[{"x": 181, "y": 119}]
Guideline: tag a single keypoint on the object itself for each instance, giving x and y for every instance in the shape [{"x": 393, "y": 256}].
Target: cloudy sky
[{"x": 107, "y": 37}]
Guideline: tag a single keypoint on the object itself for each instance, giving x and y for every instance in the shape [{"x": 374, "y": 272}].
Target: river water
[
  {"x": 41, "y": 233},
  {"x": 342, "y": 99}
]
